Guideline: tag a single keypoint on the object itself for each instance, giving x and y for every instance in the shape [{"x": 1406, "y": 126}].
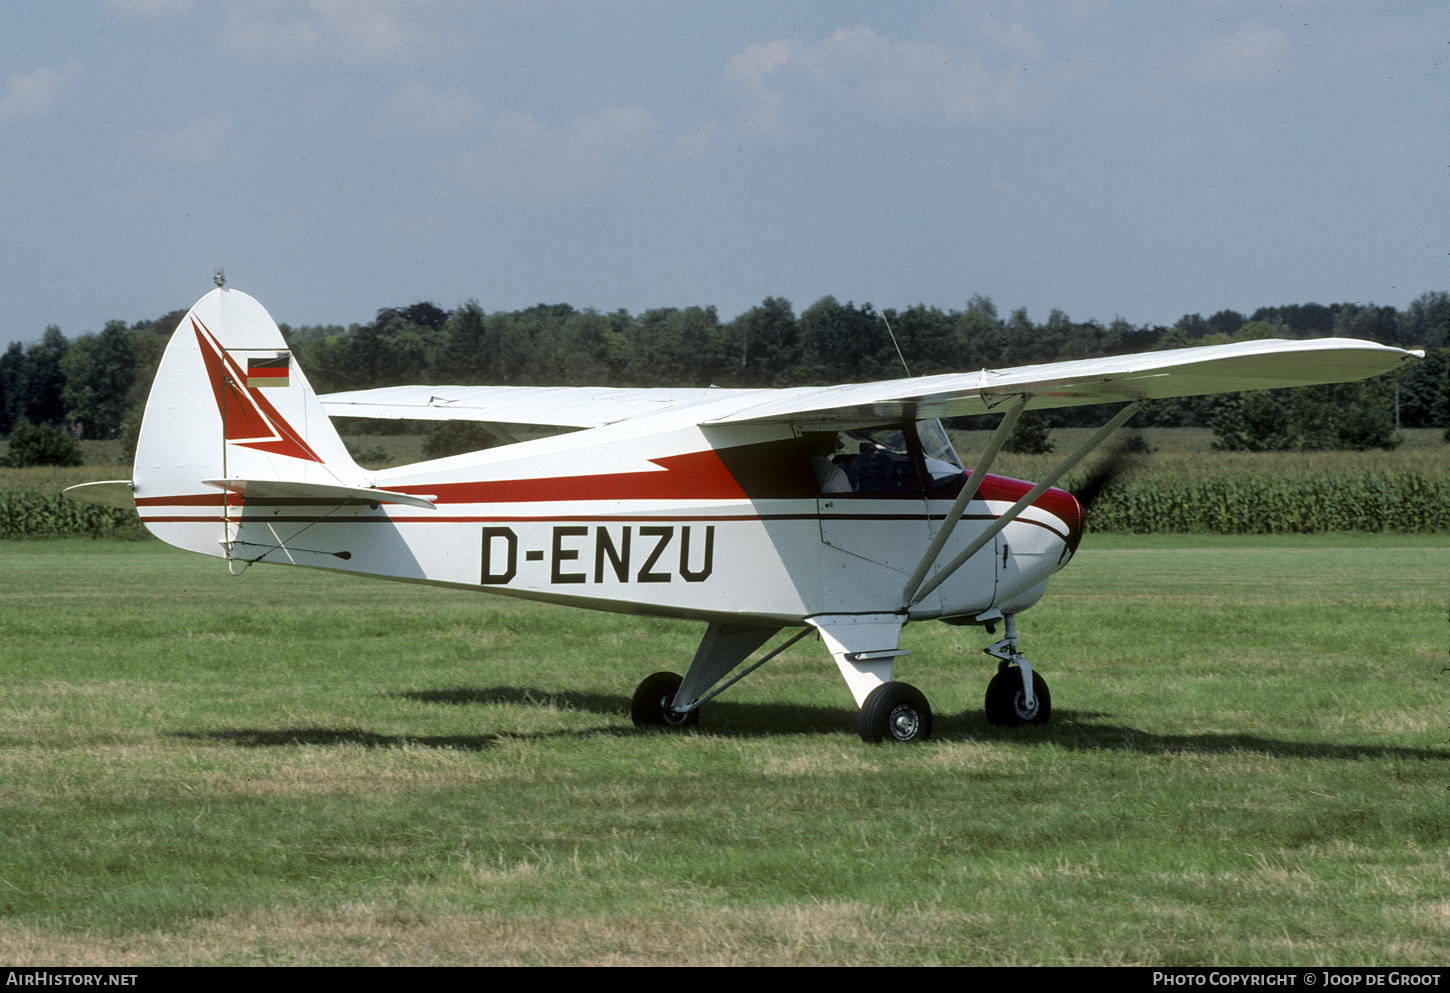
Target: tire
[
  {"x": 895, "y": 712},
  {"x": 1004, "y": 699},
  {"x": 651, "y": 708}
]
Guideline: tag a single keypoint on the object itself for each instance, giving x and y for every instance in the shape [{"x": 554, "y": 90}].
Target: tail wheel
[
  {"x": 653, "y": 704},
  {"x": 895, "y": 712},
  {"x": 1006, "y": 703}
]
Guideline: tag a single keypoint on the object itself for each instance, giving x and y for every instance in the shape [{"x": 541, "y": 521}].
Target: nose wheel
[
  {"x": 1016, "y": 695},
  {"x": 1007, "y": 701}
]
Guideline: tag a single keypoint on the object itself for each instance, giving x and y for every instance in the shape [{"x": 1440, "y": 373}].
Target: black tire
[
  {"x": 895, "y": 712},
  {"x": 651, "y": 705},
  {"x": 1004, "y": 699}
]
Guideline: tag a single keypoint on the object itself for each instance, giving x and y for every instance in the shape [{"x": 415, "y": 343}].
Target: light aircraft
[{"x": 841, "y": 510}]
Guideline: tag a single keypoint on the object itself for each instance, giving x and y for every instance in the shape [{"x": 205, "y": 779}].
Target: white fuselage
[{"x": 700, "y": 522}]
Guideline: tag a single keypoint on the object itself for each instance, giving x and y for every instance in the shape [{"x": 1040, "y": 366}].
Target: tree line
[{"x": 96, "y": 384}]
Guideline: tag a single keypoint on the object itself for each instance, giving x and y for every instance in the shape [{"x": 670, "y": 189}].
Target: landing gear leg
[
  {"x": 1016, "y": 694},
  {"x": 670, "y": 701}
]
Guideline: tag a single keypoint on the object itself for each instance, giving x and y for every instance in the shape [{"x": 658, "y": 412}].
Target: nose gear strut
[{"x": 1019, "y": 697}]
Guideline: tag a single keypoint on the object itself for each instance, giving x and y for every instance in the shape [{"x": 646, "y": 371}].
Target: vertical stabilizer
[{"x": 229, "y": 402}]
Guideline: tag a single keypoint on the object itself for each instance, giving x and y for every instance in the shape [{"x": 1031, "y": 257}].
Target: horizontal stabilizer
[
  {"x": 280, "y": 489},
  {"x": 111, "y": 493}
]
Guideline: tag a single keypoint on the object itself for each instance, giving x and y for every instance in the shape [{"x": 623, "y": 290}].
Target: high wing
[
  {"x": 1250, "y": 365},
  {"x": 534, "y": 406}
]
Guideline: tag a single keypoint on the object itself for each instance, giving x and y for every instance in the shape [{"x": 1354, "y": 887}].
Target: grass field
[{"x": 1247, "y": 765}]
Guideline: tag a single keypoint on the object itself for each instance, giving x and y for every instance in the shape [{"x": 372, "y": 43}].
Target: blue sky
[{"x": 1108, "y": 159}]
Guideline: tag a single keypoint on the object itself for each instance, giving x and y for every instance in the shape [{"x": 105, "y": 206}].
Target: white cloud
[
  {"x": 417, "y": 109},
  {"x": 32, "y": 93},
  {"x": 526, "y": 157},
  {"x": 749, "y": 74},
  {"x": 353, "y": 31},
  {"x": 200, "y": 141},
  {"x": 860, "y": 69},
  {"x": 696, "y": 143},
  {"x": 151, "y": 8},
  {"x": 1252, "y": 52},
  {"x": 1015, "y": 37}
]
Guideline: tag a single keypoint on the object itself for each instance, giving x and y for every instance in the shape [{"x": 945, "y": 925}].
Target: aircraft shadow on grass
[
  {"x": 338, "y": 737},
  {"x": 1077, "y": 730}
]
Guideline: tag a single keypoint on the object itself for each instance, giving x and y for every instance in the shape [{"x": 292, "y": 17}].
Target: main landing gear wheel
[
  {"x": 895, "y": 712},
  {"x": 652, "y": 704},
  {"x": 1005, "y": 699}
]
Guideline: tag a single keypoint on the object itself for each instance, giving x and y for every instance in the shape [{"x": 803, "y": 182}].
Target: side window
[
  {"x": 866, "y": 460},
  {"x": 884, "y": 460}
]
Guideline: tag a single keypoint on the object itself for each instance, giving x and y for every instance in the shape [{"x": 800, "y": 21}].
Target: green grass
[{"x": 1247, "y": 764}]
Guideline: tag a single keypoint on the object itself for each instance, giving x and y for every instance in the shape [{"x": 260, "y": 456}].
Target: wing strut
[
  {"x": 1015, "y": 511},
  {"x": 974, "y": 481}
]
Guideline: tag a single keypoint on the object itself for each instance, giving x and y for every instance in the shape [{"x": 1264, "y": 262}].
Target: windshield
[{"x": 942, "y": 464}]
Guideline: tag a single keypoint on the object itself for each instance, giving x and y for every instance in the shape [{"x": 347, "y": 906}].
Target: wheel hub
[
  {"x": 904, "y": 722},
  {"x": 672, "y": 717}
]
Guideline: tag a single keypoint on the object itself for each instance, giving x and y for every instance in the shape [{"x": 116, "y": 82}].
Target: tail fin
[{"x": 229, "y": 408}]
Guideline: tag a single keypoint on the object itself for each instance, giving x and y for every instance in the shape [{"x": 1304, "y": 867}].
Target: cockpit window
[
  {"x": 876, "y": 461},
  {"x": 864, "y": 460},
  {"x": 884, "y": 459},
  {"x": 942, "y": 464}
]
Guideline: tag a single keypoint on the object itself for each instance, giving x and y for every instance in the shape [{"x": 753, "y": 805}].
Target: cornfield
[
  {"x": 1406, "y": 501},
  {"x": 32, "y": 506},
  {"x": 1207, "y": 493}
]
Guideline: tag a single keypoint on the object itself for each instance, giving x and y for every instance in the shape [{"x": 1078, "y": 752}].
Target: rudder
[{"x": 228, "y": 402}]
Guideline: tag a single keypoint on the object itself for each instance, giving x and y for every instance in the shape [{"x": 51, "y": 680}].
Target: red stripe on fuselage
[
  {"x": 696, "y": 476},
  {"x": 692, "y": 476}
]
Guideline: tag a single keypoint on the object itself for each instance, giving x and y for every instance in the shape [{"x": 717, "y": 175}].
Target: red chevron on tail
[{"x": 248, "y": 418}]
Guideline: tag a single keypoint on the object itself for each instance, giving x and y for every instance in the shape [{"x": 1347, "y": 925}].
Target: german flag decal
[{"x": 269, "y": 371}]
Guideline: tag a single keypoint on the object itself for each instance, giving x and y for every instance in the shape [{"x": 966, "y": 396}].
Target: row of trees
[
  {"x": 98, "y": 381},
  {"x": 90, "y": 385}
]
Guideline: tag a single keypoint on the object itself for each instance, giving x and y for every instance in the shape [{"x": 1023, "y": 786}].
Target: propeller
[{"x": 1123, "y": 457}]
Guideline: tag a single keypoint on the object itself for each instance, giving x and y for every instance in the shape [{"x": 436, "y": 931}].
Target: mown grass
[{"x": 1247, "y": 764}]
